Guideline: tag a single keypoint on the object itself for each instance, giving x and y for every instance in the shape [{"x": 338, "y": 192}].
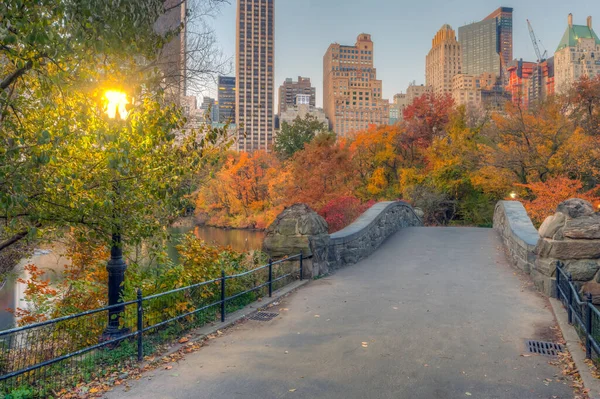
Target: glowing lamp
[{"x": 115, "y": 104}]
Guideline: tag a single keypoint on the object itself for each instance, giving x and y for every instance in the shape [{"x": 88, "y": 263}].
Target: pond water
[{"x": 49, "y": 259}]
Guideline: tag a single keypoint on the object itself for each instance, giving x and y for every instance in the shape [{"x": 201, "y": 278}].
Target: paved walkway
[{"x": 442, "y": 314}]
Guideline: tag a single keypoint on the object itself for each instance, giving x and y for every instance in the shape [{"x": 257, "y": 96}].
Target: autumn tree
[
  {"x": 525, "y": 145},
  {"x": 63, "y": 163},
  {"x": 545, "y": 196},
  {"x": 584, "y": 103},
  {"x": 426, "y": 118},
  {"x": 294, "y": 136},
  {"x": 321, "y": 172},
  {"x": 378, "y": 153},
  {"x": 240, "y": 193}
]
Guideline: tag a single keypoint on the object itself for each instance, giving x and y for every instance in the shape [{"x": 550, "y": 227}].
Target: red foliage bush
[{"x": 341, "y": 211}]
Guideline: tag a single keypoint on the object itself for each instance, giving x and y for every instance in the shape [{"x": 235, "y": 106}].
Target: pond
[{"x": 49, "y": 259}]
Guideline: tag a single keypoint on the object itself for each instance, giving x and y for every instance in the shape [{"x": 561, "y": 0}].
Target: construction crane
[{"x": 541, "y": 57}]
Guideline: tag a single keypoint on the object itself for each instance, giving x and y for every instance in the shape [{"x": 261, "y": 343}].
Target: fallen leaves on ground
[{"x": 569, "y": 370}]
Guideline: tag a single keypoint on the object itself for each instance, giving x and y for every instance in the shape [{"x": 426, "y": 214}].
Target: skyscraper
[
  {"x": 486, "y": 46},
  {"x": 352, "y": 95},
  {"x": 226, "y": 99},
  {"x": 289, "y": 89},
  {"x": 443, "y": 61},
  {"x": 254, "y": 74},
  {"x": 577, "y": 55},
  {"x": 172, "y": 57}
]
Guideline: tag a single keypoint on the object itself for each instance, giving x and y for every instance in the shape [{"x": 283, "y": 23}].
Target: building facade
[
  {"x": 255, "y": 68},
  {"x": 415, "y": 91},
  {"x": 394, "y": 115},
  {"x": 400, "y": 104},
  {"x": 289, "y": 89},
  {"x": 520, "y": 74},
  {"x": 577, "y": 55},
  {"x": 226, "y": 99},
  {"x": 468, "y": 90},
  {"x": 443, "y": 61},
  {"x": 301, "y": 109},
  {"x": 542, "y": 81},
  {"x": 209, "y": 110},
  {"x": 352, "y": 95},
  {"x": 486, "y": 46},
  {"x": 172, "y": 57}
]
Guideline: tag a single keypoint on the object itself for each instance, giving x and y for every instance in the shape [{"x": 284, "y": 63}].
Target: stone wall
[
  {"x": 292, "y": 232},
  {"x": 300, "y": 228},
  {"x": 364, "y": 236},
  {"x": 571, "y": 236},
  {"x": 518, "y": 233}
]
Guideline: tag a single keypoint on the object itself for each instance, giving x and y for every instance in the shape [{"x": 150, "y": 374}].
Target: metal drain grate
[
  {"x": 544, "y": 348},
  {"x": 263, "y": 316}
]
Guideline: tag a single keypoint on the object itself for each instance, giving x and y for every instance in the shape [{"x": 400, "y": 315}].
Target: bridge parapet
[
  {"x": 290, "y": 233},
  {"x": 518, "y": 233},
  {"x": 360, "y": 239},
  {"x": 570, "y": 237}
]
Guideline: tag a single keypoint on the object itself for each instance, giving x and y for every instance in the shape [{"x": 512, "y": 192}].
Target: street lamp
[
  {"x": 115, "y": 108},
  {"x": 513, "y": 195}
]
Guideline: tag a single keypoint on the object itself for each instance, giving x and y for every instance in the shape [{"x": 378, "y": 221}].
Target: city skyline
[{"x": 399, "y": 61}]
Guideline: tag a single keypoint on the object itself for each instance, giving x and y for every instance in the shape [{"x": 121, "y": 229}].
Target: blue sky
[{"x": 401, "y": 31}]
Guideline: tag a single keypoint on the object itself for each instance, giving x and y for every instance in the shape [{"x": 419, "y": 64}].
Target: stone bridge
[{"x": 432, "y": 313}]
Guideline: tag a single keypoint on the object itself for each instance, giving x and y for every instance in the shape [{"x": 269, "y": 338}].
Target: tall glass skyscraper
[
  {"x": 486, "y": 46},
  {"x": 226, "y": 99}
]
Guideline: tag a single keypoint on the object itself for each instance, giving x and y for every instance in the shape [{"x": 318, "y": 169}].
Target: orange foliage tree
[
  {"x": 426, "y": 118},
  {"x": 241, "y": 192},
  {"x": 378, "y": 154},
  {"x": 547, "y": 195},
  {"x": 321, "y": 172}
]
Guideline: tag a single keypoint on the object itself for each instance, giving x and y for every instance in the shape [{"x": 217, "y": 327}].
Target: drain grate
[
  {"x": 263, "y": 316},
  {"x": 544, "y": 348}
]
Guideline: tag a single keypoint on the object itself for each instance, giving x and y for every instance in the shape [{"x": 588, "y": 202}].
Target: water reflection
[
  {"x": 239, "y": 240},
  {"x": 13, "y": 293}
]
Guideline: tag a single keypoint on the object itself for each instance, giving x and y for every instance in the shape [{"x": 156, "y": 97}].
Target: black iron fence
[
  {"x": 48, "y": 358},
  {"x": 581, "y": 313}
]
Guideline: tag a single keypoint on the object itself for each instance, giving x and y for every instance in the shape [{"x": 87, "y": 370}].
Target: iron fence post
[
  {"x": 570, "y": 299},
  {"x": 558, "y": 271},
  {"x": 588, "y": 326},
  {"x": 140, "y": 325},
  {"x": 301, "y": 268},
  {"x": 270, "y": 277},
  {"x": 222, "y": 296}
]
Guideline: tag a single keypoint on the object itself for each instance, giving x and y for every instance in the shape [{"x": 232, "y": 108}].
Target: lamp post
[{"x": 115, "y": 109}]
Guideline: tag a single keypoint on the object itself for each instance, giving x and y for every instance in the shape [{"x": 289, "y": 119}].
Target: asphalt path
[{"x": 433, "y": 313}]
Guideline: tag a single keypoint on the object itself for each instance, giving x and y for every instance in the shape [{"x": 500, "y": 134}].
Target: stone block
[
  {"x": 582, "y": 270},
  {"x": 279, "y": 246},
  {"x": 583, "y": 228},
  {"x": 575, "y": 208},
  {"x": 522, "y": 265},
  {"x": 543, "y": 283},
  {"x": 287, "y": 227},
  {"x": 552, "y": 224},
  {"x": 593, "y": 288},
  {"x": 568, "y": 249},
  {"x": 546, "y": 266}
]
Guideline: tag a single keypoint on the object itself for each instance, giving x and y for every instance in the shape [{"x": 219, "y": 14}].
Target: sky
[{"x": 401, "y": 31}]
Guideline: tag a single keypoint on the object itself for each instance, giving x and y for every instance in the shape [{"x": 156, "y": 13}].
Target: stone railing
[
  {"x": 364, "y": 236},
  {"x": 571, "y": 237},
  {"x": 299, "y": 228},
  {"x": 518, "y": 233}
]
